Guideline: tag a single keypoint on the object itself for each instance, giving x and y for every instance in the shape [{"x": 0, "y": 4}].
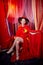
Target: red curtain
[
  {"x": 33, "y": 10},
  {"x": 4, "y": 35}
]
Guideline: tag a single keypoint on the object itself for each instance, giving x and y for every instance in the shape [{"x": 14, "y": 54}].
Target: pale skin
[{"x": 23, "y": 22}]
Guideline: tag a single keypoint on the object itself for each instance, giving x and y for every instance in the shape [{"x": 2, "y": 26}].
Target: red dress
[
  {"x": 24, "y": 33},
  {"x": 32, "y": 43},
  {"x": 35, "y": 43}
]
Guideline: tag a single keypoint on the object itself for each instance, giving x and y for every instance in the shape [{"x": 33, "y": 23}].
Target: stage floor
[{"x": 29, "y": 62}]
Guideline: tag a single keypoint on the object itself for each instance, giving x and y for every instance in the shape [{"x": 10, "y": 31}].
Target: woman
[{"x": 23, "y": 32}]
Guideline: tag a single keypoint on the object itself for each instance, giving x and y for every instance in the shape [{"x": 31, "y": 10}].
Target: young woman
[{"x": 22, "y": 32}]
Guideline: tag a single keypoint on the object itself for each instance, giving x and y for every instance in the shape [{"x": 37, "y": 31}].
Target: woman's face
[{"x": 23, "y": 21}]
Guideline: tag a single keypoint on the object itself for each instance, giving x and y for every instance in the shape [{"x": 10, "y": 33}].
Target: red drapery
[{"x": 21, "y": 9}]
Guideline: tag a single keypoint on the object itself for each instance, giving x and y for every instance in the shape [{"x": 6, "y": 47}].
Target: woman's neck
[{"x": 22, "y": 25}]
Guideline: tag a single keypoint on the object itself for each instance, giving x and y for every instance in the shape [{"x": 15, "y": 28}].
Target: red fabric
[
  {"x": 31, "y": 47},
  {"x": 11, "y": 25},
  {"x": 5, "y": 39},
  {"x": 35, "y": 44},
  {"x": 24, "y": 34},
  {"x": 42, "y": 44}
]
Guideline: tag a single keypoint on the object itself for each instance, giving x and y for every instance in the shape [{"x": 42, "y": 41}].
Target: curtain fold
[
  {"x": 37, "y": 9},
  {"x": 32, "y": 9}
]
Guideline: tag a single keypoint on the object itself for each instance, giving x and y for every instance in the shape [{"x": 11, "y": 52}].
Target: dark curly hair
[{"x": 20, "y": 18}]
